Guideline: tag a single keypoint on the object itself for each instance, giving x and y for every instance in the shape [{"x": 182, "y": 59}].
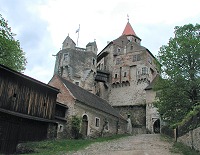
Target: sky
[{"x": 42, "y": 25}]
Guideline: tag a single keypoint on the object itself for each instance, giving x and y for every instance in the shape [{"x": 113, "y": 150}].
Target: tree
[
  {"x": 11, "y": 55},
  {"x": 179, "y": 87}
]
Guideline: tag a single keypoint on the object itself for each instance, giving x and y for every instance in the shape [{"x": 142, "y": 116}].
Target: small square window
[
  {"x": 97, "y": 122},
  {"x": 77, "y": 83}
]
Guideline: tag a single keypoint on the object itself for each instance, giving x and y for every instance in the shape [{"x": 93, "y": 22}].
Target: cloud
[
  {"x": 42, "y": 25},
  {"x": 32, "y": 32}
]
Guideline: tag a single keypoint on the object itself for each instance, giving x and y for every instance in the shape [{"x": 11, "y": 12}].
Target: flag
[{"x": 78, "y": 29}]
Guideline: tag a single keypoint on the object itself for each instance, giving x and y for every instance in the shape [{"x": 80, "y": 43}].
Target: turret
[
  {"x": 92, "y": 46},
  {"x": 68, "y": 43},
  {"x": 130, "y": 33}
]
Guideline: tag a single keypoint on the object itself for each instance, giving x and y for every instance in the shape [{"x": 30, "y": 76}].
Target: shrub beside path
[{"x": 145, "y": 144}]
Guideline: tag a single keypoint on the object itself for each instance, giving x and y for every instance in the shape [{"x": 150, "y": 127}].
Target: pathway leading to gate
[{"x": 145, "y": 144}]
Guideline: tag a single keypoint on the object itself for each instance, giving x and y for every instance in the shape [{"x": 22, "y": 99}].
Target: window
[
  {"x": 61, "y": 71},
  {"x": 97, "y": 122},
  {"x": 124, "y": 74},
  {"x": 131, "y": 47},
  {"x": 65, "y": 56},
  {"x": 118, "y": 50},
  {"x": 115, "y": 76},
  {"x": 60, "y": 110},
  {"x": 93, "y": 61},
  {"x": 77, "y": 83},
  {"x": 136, "y": 57},
  {"x": 118, "y": 61},
  {"x": 144, "y": 70},
  {"x": 60, "y": 128}
]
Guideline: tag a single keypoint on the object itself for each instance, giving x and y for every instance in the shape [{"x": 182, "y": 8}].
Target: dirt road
[{"x": 146, "y": 144}]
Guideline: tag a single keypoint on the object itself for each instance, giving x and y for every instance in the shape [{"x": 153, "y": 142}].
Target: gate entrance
[{"x": 156, "y": 126}]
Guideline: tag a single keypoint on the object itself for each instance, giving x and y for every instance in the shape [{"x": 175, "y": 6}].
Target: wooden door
[{"x": 84, "y": 126}]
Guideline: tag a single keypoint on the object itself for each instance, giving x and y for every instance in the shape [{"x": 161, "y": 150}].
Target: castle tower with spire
[
  {"x": 131, "y": 69},
  {"x": 123, "y": 73},
  {"x": 76, "y": 64}
]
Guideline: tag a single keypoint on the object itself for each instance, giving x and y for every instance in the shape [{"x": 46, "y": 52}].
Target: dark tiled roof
[{"x": 90, "y": 99}]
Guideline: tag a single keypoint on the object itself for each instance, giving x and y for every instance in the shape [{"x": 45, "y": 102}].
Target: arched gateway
[{"x": 156, "y": 126}]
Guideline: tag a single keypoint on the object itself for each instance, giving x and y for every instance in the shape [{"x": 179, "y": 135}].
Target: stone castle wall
[
  {"x": 137, "y": 114},
  {"x": 191, "y": 139}
]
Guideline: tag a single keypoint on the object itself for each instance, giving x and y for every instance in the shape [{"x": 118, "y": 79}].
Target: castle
[{"x": 123, "y": 74}]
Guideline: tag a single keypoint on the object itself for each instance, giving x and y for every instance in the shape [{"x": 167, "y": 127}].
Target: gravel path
[{"x": 145, "y": 144}]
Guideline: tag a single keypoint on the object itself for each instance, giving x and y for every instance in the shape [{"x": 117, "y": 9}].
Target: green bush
[{"x": 76, "y": 127}]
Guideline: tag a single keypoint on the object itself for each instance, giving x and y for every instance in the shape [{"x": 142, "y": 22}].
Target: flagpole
[{"x": 78, "y": 35}]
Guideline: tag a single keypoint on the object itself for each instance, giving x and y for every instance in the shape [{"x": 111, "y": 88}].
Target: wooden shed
[{"x": 27, "y": 109}]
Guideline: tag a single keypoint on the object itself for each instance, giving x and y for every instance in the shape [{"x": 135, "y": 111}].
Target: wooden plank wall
[{"x": 24, "y": 96}]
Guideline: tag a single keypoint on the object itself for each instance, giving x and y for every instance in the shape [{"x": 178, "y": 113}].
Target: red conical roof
[{"x": 128, "y": 30}]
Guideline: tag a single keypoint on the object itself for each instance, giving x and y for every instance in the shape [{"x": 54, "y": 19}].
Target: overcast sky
[{"x": 42, "y": 25}]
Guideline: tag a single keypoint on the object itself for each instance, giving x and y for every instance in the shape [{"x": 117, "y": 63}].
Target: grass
[
  {"x": 185, "y": 150},
  {"x": 59, "y": 147},
  {"x": 179, "y": 147}
]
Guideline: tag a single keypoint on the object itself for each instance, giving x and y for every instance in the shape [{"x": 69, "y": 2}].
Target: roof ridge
[{"x": 90, "y": 99}]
